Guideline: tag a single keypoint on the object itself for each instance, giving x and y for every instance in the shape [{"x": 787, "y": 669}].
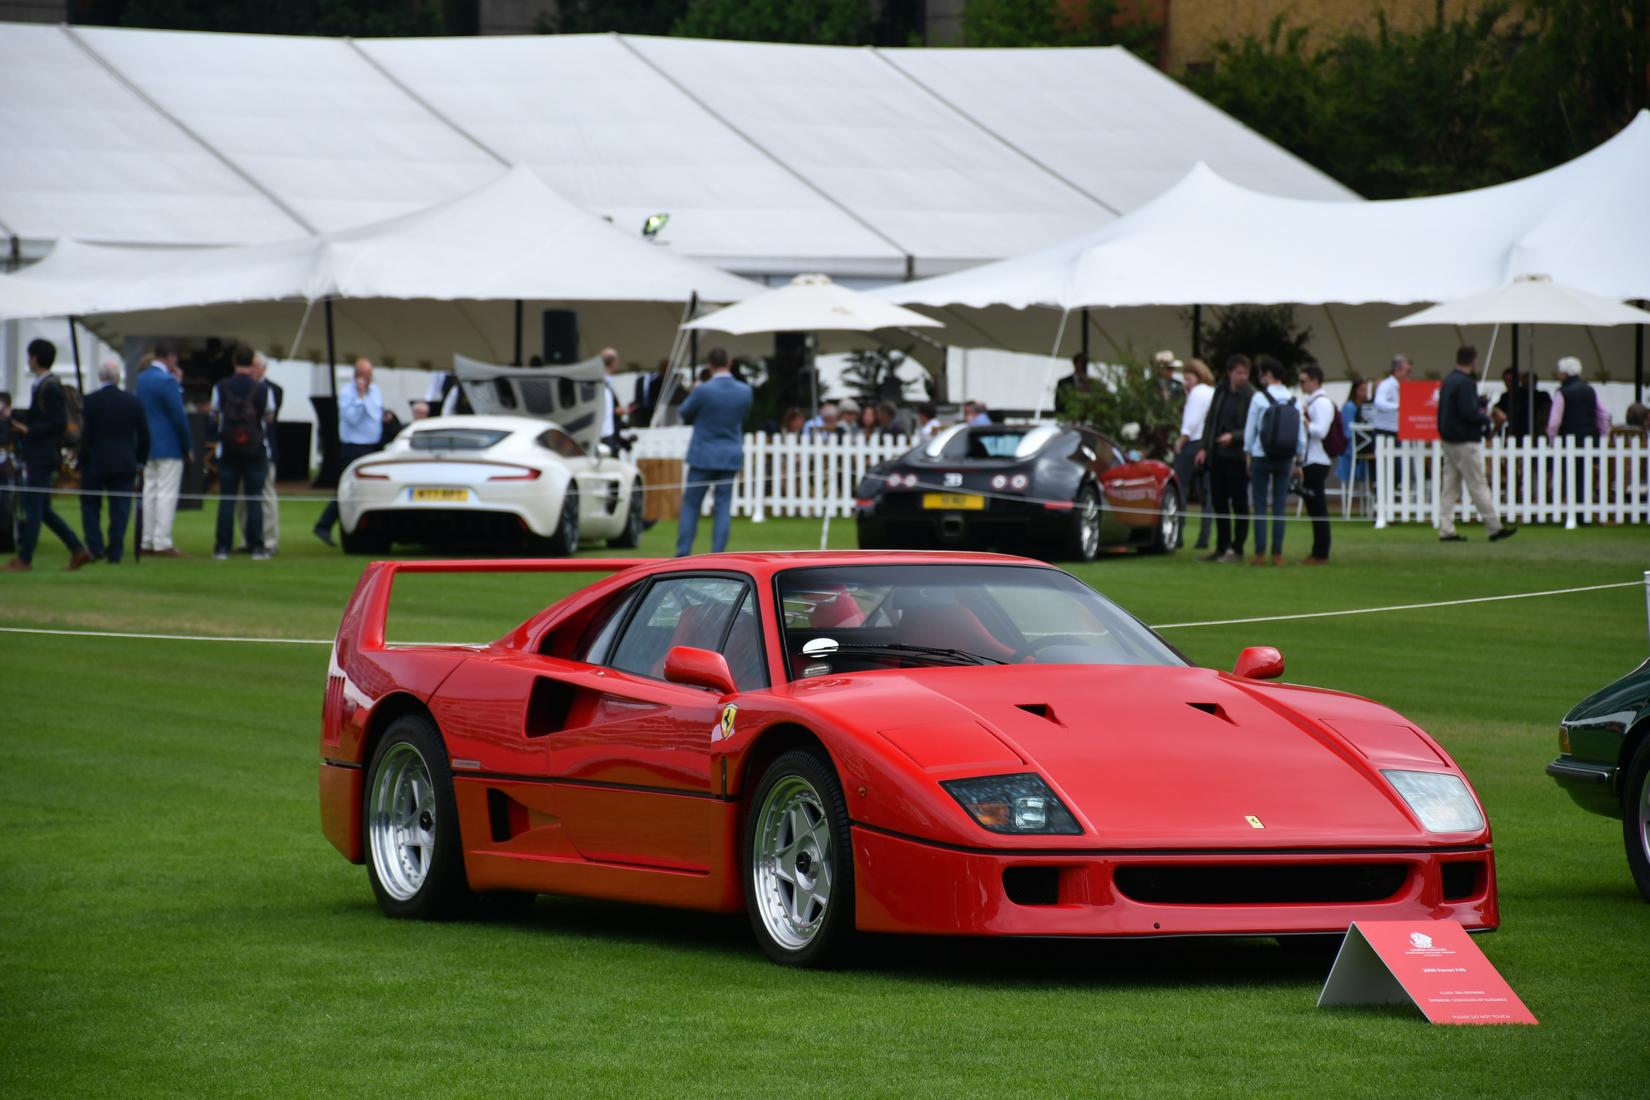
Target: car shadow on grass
[{"x": 1004, "y": 963}]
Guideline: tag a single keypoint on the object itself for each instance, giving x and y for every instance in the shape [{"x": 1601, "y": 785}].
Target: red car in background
[{"x": 838, "y": 743}]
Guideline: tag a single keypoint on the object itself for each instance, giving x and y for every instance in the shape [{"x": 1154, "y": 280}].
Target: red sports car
[{"x": 879, "y": 742}]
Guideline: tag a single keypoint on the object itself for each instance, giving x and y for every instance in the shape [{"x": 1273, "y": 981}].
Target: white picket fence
[
  {"x": 1567, "y": 481},
  {"x": 787, "y": 475}
]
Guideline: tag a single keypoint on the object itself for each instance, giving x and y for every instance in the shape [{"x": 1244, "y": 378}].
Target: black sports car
[
  {"x": 1604, "y": 762},
  {"x": 1055, "y": 491}
]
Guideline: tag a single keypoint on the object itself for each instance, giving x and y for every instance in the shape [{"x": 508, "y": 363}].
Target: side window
[
  {"x": 561, "y": 443},
  {"x": 604, "y": 627},
  {"x": 692, "y": 611},
  {"x": 744, "y": 647}
]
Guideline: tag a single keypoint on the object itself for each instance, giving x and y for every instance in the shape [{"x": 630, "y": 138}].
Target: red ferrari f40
[{"x": 846, "y": 743}]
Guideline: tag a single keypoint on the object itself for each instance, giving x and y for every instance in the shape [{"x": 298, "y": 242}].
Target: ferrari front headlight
[
  {"x": 1439, "y": 799},
  {"x": 1018, "y": 804}
]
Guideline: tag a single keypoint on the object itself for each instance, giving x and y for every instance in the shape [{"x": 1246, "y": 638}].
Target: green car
[{"x": 1604, "y": 761}]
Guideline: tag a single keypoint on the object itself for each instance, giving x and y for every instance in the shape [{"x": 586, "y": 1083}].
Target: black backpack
[
  {"x": 243, "y": 423},
  {"x": 1280, "y": 428}
]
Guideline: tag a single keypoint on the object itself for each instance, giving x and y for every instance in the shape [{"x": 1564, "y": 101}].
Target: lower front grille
[{"x": 1284, "y": 884}]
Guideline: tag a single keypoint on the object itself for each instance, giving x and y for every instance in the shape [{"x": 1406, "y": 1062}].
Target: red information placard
[
  {"x": 1418, "y": 410},
  {"x": 1432, "y": 964}
]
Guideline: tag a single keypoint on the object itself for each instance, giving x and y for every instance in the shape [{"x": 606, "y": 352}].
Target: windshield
[
  {"x": 965, "y": 442},
  {"x": 455, "y": 439},
  {"x": 850, "y": 618}
]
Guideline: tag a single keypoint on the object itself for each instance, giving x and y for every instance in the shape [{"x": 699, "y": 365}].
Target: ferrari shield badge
[
  {"x": 723, "y": 730},
  {"x": 1254, "y": 822}
]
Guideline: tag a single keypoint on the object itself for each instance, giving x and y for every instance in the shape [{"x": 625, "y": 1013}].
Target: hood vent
[
  {"x": 1215, "y": 709},
  {"x": 1041, "y": 710}
]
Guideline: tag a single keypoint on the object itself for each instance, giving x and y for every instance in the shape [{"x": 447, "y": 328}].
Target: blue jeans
[
  {"x": 722, "y": 509},
  {"x": 37, "y": 509},
  {"x": 1269, "y": 489},
  {"x": 119, "y": 488},
  {"x": 237, "y": 480}
]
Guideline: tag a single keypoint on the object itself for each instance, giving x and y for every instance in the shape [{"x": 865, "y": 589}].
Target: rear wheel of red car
[
  {"x": 410, "y": 822},
  {"x": 799, "y": 863},
  {"x": 1166, "y": 537},
  {"x": 1635, "y": 817}
]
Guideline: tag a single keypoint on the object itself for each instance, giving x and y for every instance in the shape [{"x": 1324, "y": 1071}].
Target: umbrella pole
[
  {"x": 1085, "y": 337},
  {"x": 332, "y": 357},
  {"x": 1059, "y": 338},
  {"x": 1530, "y": 401},
  {"x": 517, "y": 360},
  {"x": 1638, "y": 361},
  {"x": 1489, "y": 356},
  {"x": 74, "y": 344},
  {"x": 1197, "y": 332}
]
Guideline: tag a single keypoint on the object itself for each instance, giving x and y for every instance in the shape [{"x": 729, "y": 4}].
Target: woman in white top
[
  {"x": 1200, "y": 390},
  {"x": 1319, "y": 416}
]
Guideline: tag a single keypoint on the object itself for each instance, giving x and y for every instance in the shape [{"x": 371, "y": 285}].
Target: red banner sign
[
  {"x": 1418, "y": 410},
  {"x": 1432, "y": 964}
]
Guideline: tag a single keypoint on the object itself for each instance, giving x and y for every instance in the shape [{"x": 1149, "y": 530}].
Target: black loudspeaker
[{"x": 561, "y": 336}]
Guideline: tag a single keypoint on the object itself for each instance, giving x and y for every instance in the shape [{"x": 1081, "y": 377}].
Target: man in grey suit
[{"x": 717, "y": 409}]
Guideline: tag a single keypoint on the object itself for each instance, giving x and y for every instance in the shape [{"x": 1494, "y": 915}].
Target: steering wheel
[{"x": 1045, "y": 641}]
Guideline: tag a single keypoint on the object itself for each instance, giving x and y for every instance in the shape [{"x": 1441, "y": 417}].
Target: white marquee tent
[
  {"x": 405, "y": 290},
  {"x": 771, "y": 159}
]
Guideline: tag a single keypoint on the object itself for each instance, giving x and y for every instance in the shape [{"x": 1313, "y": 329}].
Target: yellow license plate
[
  {"x": 954, "y": 502},
  {"x": 458, "y": 495}
]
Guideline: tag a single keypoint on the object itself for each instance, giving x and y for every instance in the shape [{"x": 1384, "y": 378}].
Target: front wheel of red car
[
  {"x": 799, "y": 863},
  {"x": 410, "y": 822},
  {"x": 1635, "y": 799}
]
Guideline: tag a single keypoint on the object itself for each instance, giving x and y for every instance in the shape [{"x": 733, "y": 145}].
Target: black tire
[
  {"x": 1635, "y": 817},
  {"x": 631, "y": 536},
  {"x": 564, "y": 541},
  {"x": 805, "y": 780},
  {"x": 1171, "y": 519},
  {"x": 363, "y": 542},
  {"x": 1082, "y": 540},
  {"x": 427, "y": 883}
]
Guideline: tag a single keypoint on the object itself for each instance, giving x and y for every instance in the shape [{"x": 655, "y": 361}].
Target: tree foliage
[
  {"x": 820, "y": 22},
  {"x": 1131, "y": 403},
  {"x": 1057, "y": 23},
  {"x": 1465, "y": 100},
  {"x": 623, "y": 16},
  {"x": 1256, "y": 330},
  {"x": 357, "y": 18}
]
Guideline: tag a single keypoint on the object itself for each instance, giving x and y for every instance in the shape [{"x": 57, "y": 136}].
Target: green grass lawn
[{"x": 171, "y": 919}]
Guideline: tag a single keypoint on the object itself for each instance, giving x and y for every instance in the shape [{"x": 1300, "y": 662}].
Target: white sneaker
[
  {"x": 261, "y": 555},
  {"x": 220, "y": 555}
]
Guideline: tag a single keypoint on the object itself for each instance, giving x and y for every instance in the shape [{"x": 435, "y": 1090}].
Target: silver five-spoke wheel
[
  {"x": 401, "y": 821},
  {"x": 792, "y": 868}
]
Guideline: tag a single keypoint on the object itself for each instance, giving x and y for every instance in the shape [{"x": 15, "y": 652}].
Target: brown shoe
[
  {"x": 18, "y": 565},
  {"x": 1258, "y": 559},
  {"x": 1314, "y": 561},
  {"x": 1277, "y": 559},
  {"x": 169, "y": 552},
  {"x": 79, "y": 558}
]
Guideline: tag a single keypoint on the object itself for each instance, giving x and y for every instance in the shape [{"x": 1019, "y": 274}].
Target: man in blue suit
[
  {"x": 717, "y": 409},
  {"x": 114, "y": 445}
]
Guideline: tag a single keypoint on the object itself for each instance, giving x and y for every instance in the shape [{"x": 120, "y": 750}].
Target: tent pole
[
  {"x": 332, "y": 357},
  {"x": 1197, "y": 332},
  {"x": 517, "y": 360},
  {"x": 1638, "y": 361},
  {"x": 1531, "y": 401},
  {"x": 74, "y": 344},
  {"x": 1085, "y": 338}
]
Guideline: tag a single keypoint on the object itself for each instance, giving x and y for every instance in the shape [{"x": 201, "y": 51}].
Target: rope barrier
[{"x": 1163, "y": 626}]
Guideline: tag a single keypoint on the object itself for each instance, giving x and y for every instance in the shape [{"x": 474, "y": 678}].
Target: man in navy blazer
[
  {"x": 717, "y": 409},
  {"x": 114, "y": 444}
]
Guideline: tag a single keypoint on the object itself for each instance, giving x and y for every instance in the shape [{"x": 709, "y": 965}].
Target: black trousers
[
  {"x": 1229, "y": 488},
  {"x": 1313, "y": 479},
  {"x": 347, "y": 453},
  {"x": 119, "y": 488}
]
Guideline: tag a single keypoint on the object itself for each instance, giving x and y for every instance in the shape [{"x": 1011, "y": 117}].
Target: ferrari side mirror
[
  {"x": 1259, "y": 662},
  {"x": 704, "y": 668}
]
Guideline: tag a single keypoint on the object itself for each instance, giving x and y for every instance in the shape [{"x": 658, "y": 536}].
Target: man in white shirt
[
  {"x": 1320, "y": 417},
  {"x": 1385, "y": 417},
  {"x": 1200, "y": 391}
]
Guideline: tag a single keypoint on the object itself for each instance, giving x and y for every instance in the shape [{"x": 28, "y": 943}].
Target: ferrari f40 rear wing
[{"x": 368, "y": 610}]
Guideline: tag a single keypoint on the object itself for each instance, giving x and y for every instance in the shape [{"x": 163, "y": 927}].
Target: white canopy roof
[
  {"x": 771, "y": 159},
  {"x": 811, "y": 303},
  {"x": 1209, "y": 241},
  {"x": 513, "y": 238}
]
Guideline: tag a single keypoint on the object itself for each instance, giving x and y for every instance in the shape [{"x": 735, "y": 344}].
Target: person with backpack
[
  {"x": 1274, "y": 436},
  {"x": 39, "y": 432},
  {"x": 1325, "y": 442},
  {"x": 242, "y": 406}
]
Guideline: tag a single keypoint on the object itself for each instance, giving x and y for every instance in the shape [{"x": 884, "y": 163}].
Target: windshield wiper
[{"x": 903, "y": 649}]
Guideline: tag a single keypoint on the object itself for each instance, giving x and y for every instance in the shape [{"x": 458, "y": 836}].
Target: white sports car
[{"x": 494, "y": 481}]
